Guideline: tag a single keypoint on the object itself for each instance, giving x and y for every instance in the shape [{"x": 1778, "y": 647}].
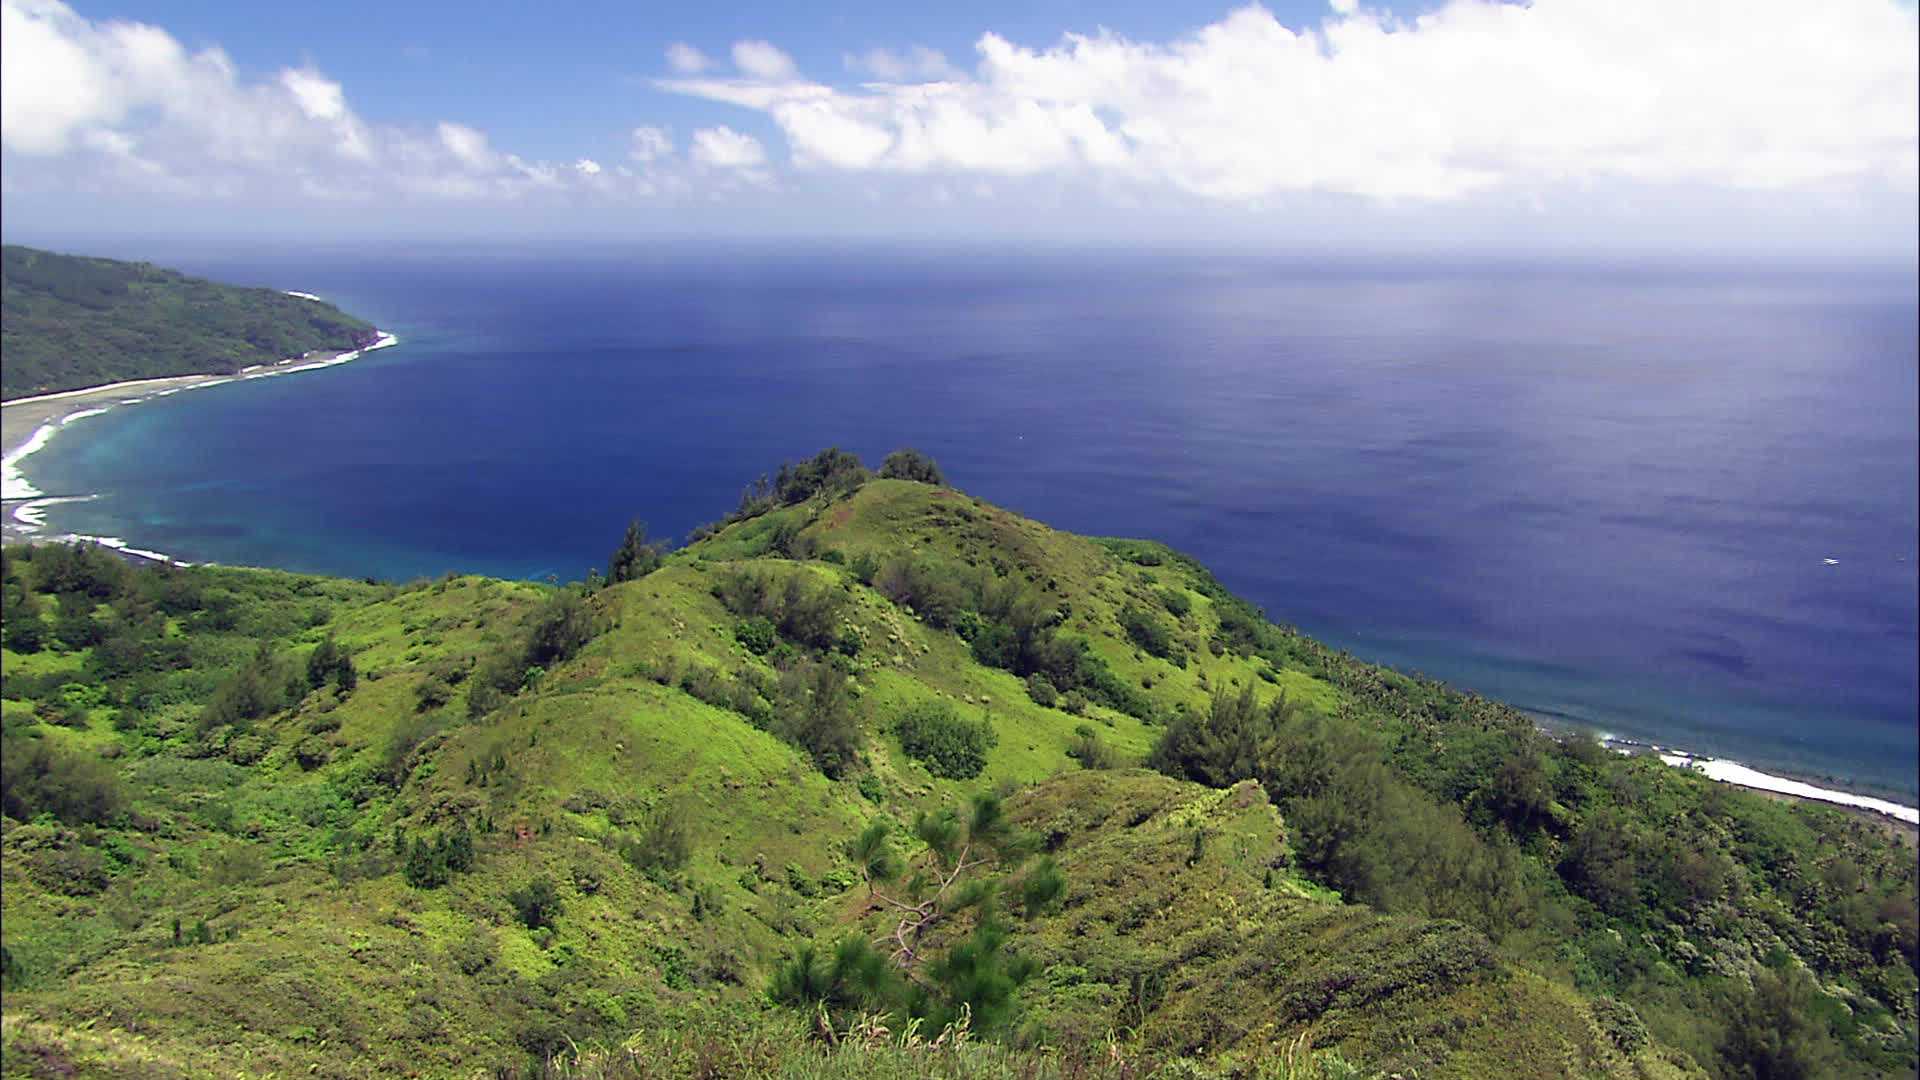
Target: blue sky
[
  {"x": 1711, "y": 125},
  {"x": 565, "y": 79}
]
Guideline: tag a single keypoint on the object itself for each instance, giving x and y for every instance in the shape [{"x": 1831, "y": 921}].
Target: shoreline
[
  {"x": 1727, "y": 771},
  {"x": 28, "y": 424},
  {"x": 1835, "y": 791}
]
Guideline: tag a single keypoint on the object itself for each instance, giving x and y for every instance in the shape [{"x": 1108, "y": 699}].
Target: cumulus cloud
[
  {"x": 760, "y": 60},
  {"x": 725, "y": 148},
  {"x": 1736, "y": 94},
  {"x": 650, "y": 144},
  {"x": 686, "y": 59},
  {"x": 468, "y": 146},
  {"x": 123, "y": 104},
  {"x": 918, "y": 62}
]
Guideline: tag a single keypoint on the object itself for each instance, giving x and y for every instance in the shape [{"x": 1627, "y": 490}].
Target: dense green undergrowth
[
  {"x": 721, "y": 813},
  {"x": 73, "y": 322}
]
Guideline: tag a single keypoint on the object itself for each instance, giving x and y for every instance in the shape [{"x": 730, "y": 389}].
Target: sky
[{"x": 1703, "y": 126}]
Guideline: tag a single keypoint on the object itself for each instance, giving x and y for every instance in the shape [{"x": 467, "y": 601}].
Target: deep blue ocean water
[{"x": 1601, "y": 491}]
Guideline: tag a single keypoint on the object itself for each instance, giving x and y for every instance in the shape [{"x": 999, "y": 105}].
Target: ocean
[{"x": 1673, "y": 501}]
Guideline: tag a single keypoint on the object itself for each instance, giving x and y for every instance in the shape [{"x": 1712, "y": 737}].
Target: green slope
[
  {"x": 651, "y": 771},
  {"x": 68, "y": 322}
]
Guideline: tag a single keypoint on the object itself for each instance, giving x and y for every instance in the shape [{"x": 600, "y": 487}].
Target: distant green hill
[
  {"x": 685, "y": 821},
  {"x": 68, "y": 322}
]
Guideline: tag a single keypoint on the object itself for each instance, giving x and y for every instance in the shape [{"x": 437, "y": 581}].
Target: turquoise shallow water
[{"x": 1604, "y": 492}]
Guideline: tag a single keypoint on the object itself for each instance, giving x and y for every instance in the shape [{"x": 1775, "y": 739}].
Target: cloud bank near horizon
[
  {"x": 1473, "y": 96},
  {"x": 1806, "y": 105}
]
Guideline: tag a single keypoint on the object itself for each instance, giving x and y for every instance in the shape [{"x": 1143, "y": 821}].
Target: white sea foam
[
  {"x": 1732, "y": 772},
  {"x": 117, "y": 544},
  {"x": 14, "y": 485}
]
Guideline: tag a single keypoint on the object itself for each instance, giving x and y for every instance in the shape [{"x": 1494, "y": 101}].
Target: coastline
[
  {"x": 1899, "y": 817},
  {"x": 28, "y": 424}
]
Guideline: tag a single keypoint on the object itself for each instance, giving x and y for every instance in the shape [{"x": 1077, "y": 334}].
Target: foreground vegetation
[
  {"x": 873, "y": 779},
  {"x": 68, "y": 322}
]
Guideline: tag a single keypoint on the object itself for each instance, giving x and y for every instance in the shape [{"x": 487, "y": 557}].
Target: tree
[
  {"x": 1775, "y": 1032},
  {"x": 22, "y": 631},
  {"x": 942, "y": 956},
  {"x": 537, "y": 903},
  {"x": 560, "y": 627},
  {"x": 634, "y": 558},
  {"x": 73, "y": 785},
  {"x": 910, "y": 464},
  {"x": 1229, "y": 744},
  {"x": 321, "y": 661},
  {"x": 329, "y": 661},
  {"x": 816, "y": 715}
]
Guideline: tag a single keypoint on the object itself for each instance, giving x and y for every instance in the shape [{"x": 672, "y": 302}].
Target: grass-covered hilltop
[
  {"x": 68, "y": 322},
  {"x": 870, "y": 779}
]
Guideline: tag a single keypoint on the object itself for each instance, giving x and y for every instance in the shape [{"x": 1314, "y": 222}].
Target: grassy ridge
[
  {"x": 267, "y": 871},
  {"x": 68, "y": 322}
]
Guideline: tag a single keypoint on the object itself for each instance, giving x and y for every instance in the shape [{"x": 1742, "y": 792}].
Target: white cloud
[
  {"x": 759, "y": 60},
  {"x": 99, "y": 105},
  {"x": 467, "y": 145},
  {"x": 918, "y": 62},
  {"x": 725, "y": 148},
  {"x": 1344, "y": 7},
  {"x": 686, "y": 59},
  {"x": 650, "y": 144},
  {"x": 1475, "y": 96}
]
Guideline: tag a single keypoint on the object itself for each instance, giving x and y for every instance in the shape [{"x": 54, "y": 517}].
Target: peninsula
[{"x": 871, "y": 756}]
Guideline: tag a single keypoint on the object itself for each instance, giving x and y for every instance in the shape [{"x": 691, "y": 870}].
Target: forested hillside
[
  {"x": 871, "y": 779},
  {"x": 68, "y": 322}
]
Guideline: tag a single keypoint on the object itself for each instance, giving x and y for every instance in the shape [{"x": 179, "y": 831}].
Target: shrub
[
  {"x": 431, "y": 694},
  {"x": 1176, "y": 602},
  {"x": 815, "y": 714},
  {"x": 262, "y": 686},
  {"x": 432, "y": 863},
  {"x": 1041, "y": 690},
  {"x": 72, "y": 785},
  {"x": 795, "y": 607},
  {"x": 1146, "y": 631},
  {"x": 536, "y": 904},
  {"x": 934, "y": 593},
  {"x": 1088, "y": 750},
  {"x": 559, "y": 628},
  {"x": 757, "y": 634},
  {"x": 663, "y": 844},
  {"x": 312, "y": 752},
  {"x": 23, "y": 631},
  {"x": 72, "y": 871},
  {"x": 949, "y": 746},
  {"x": 910, "y": 464}
]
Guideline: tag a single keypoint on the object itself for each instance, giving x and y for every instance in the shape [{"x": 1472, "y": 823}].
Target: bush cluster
[
  {"x": 948, "y": 745},
  {"x": 800, "y": 610}
]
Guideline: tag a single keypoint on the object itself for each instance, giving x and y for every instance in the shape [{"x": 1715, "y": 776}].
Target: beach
[
  {"x": 1897, "y": 818},
  {"x": 29, "y": 424}
]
